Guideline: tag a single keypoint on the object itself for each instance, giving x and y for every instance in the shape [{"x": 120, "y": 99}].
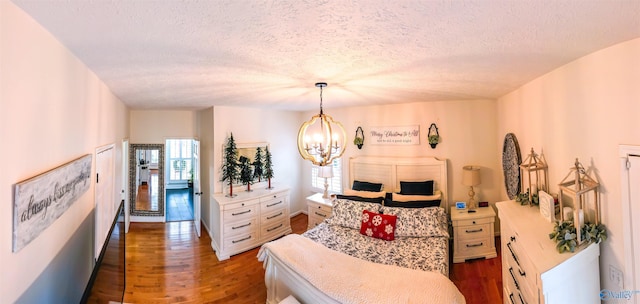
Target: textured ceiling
[{"x": 195, "y": 54}]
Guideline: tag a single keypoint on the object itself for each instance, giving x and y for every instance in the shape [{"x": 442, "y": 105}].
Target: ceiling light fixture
[{"x": 321, "y": 142}]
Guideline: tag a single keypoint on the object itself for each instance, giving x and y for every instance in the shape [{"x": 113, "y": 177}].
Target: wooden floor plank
[{"x": 167, "y": 263}]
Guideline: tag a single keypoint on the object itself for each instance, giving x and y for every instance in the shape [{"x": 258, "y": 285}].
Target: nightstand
[
  {"x": 318, "y": 209},
  {"x": 473, "y": 235}
]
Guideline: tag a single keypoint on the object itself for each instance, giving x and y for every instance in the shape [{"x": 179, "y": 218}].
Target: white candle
[
  {"x": 567, "y": 213},
  {"x": 534, "y": 189},
  {"x": 581, "y": 217}
]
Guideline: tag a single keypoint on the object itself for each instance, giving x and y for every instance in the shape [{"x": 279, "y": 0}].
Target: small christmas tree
[
  {"x": 246, "y": 176},
  {"x": 268, "y": 166},
  {"x": 230, "y": 167},
  {"x": 258, "y": 165}
]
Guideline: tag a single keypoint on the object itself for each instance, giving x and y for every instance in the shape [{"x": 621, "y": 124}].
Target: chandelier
[{"x": 321, "y": 139}]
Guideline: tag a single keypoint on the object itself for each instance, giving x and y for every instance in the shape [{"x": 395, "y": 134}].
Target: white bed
[{"x": 334, "y": 263}]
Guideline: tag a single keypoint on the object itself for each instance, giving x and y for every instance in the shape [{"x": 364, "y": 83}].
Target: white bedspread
[{"x": 351, "y": 280}]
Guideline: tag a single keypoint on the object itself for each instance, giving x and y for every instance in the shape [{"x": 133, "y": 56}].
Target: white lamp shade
[
  {"x": 325, "y": 171},
  {"x": 470, "y": 176}
]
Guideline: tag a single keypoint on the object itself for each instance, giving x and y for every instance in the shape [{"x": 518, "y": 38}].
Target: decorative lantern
[
  {"x": 579, "y": 189},
  {"x": 536, "y": 170}
]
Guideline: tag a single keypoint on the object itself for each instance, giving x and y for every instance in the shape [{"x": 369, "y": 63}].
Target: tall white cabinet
[
  {"x": 248, "y": 220},
  {"x": 532, "y": 269}
]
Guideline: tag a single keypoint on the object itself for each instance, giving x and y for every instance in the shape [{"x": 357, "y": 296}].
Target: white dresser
[
  {"x": 248, "y": 220},
  {"x": 532, "y": 269},
  {"x": 318, "y": 209}
]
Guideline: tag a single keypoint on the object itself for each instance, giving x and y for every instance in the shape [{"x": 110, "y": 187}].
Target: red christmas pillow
[{"x": 380, "y": 226}]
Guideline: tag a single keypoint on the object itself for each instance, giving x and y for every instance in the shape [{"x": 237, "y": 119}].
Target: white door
[
  {"x": 125, "y": 184},
  {"x": 197, "y": 193},
  {"x": 105, "y": 205},
  {"x": 634, "y": 215}
]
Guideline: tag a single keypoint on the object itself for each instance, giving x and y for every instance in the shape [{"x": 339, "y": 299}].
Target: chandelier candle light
[{"x": 321, "y": 139}]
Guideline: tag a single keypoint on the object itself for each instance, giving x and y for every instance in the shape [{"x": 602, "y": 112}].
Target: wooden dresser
[
  {"x": 248, "y": 220},
  {"x": 532, "y": 269}
]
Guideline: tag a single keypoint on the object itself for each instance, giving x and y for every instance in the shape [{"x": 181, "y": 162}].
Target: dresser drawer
[
  {"x": 241, "y": 204},
  {"x": 319, "y": 212},
  {"x": 275, "y": 216},
  {"x": 473, "y": 247},
  {"x": 474, "y": 232},
  {"x": 320, "y": 208},
  {"x": 314, "y": 221},
  {"x": 512, "y": 296},
  {"x": 239, "y": 241},
  {"x": 273, "y": 228},
  {"x": 274, "y": 196},
  {"x": 241, "y": 213},
  {"x": 241, "y": 226},
  {"x": 523, "y": 270},
  {"x": 472, "y": 222},
  {"x": 273, "y": 204}
]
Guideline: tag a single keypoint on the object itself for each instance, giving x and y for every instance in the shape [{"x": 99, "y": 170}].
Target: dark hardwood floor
[{"x": 167, "y": 263}]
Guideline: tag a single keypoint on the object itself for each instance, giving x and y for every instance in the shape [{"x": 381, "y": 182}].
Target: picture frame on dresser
[{"x": 247, "y": 150}]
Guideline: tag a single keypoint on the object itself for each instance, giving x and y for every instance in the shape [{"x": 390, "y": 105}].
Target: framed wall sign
[
  {"x": 42, "y": 199},
  {"x": 403, "y": 135}
]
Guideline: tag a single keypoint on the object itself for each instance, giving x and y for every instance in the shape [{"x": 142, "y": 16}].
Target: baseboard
[{"x": 298, "y": 212}]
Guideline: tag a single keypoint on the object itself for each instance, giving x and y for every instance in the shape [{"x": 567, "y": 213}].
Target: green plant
[
  {"x": 523, "y": 198},
  {"x": 246, "y": 174},
  {"x": 230, "y": 166},
  {"x": 358, "y": 141},
  {"x": 434, "y": 139},
  {"x": 564, "y": 234},
  {"x": 593, "y": 233},
  {"x": 258, "y": 165},
  {"x": 268, "y": 166}
]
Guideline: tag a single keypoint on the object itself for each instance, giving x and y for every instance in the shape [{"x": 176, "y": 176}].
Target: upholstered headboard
[{"x": 391, "y": 170}]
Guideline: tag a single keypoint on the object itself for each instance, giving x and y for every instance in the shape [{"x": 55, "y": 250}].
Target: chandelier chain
[{"x": 321, "y": 100}]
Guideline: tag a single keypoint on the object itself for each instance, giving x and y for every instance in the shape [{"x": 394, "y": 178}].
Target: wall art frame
[{"x": 41, "y": 200}]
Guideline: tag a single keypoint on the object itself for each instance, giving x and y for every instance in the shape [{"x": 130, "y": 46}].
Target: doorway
[
  {"x": 630, "y": 172},
  {"x": 179, "y": 172}
]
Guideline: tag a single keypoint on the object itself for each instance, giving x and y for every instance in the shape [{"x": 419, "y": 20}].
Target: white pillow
[
  {"x": 397, "y": 197},
  {"x": 367, "y": 194}
]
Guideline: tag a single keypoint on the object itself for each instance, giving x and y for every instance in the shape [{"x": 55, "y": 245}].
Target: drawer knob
[
  {"x": 474, "y": 222},
  {"x": 242, "y": 204}
]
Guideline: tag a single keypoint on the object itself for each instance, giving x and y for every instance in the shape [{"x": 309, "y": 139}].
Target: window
[
  {"x": 335, "y": 183},
  {"x": 180, "y": 158}
]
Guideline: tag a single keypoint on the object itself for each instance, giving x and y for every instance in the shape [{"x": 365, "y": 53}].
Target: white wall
[
  {"x": 155, "y": 126},
  {"x": 251, "y": 125},
  {"x": 466, "y": 128},
  {"x": 584, "y": 110},
  {"x": 53, "y": 109}
]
